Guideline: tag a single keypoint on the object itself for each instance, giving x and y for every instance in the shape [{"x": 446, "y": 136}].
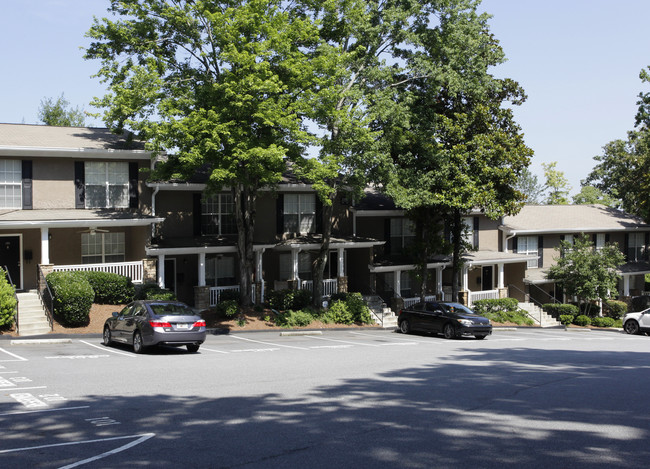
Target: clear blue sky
[{"x": 578, "y": 61}]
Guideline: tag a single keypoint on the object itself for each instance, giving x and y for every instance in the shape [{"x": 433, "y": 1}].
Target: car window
[
  {"x": 127, "y": 311},
  {"x": 174, "y": 309},
  {"x": 418, "y": 307},
  {"x": 139, "y": 310}
]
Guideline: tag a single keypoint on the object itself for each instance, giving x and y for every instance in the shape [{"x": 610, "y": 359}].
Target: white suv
[{"x": 635, "y": 323}]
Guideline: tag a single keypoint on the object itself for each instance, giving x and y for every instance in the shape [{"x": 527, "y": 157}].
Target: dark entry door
[
  {"x": 487, "y": 282},
  {"x": 10, "y": 257},
  {"x": 170, "y": 274}
]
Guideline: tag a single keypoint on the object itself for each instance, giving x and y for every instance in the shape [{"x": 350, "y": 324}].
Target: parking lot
[{"x": 362, "y": 398}]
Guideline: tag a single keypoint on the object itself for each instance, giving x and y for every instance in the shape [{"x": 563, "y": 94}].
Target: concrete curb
[
  {"x": 40, "y": 341},
  {"x": 293, "y": 333}
]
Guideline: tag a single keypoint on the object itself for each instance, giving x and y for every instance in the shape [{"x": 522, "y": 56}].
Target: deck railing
[
  {"x": 483, "y": 295},
  {"x": 330, "y": 286},
  {"x": 408, "y": 302},
  {"x": 215, "y": 293},
  {"x": 133, "y": 270}
]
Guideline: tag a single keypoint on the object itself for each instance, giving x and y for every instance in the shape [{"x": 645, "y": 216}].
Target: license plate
[{"x": 182, "y": 326}]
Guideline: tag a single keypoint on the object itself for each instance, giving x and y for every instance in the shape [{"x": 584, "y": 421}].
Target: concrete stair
[
  {"x": 383, "y": 315},
  {"x": 32, "y": 319},
  {"x": 542, "y": 318}
]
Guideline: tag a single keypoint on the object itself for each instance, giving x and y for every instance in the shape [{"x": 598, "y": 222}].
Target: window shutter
[
  {"x": 627, "y": 246},
  {"x": 79, "y": 184},
  {"x": 540, "y": 251},
  {"x": 387, "y": 235},
  {"x": 646, "y": 241},
  {"x": 514, "y": 244},
  {"x": 319, "y": 215},
  {"x": 133, "y": 185},
  {"x": 475, "y": 233},
  {"x": 606, "y": 237},
  {"x": 279, "y": 214},
  {"x": 27, "y": 185},
  {"x": 196, "y": 213}
]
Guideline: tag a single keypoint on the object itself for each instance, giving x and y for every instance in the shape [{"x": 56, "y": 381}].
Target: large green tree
[
  {"x": 587, "y": 273},
  {"x": 557, "y": 185},
  {"x": 529, "y": 185},
  {"x": 454, "y": 144},
  {"x": 59, "y": 113},
  {"x": 216, "y": 84},
  {"x": 593, "y": 195}
]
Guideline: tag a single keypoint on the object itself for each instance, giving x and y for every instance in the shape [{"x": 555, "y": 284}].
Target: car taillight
[
  {"x": 200, "y": 323},
  {"x": 159, "y": 324}
]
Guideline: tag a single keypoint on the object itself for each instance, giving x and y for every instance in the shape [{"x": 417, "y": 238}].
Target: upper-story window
[
  {"x": 299, "y": 213},
  {"x": 106, "y": 184},
  {"x": 217, "y": 215},
  {"x": 636, "y": 247},
  {"x": 529, "y": 245},
  {"x": 11, "y": 175},
  {"x": 100, "y": 248},
  {"x": 402, "y": 234},
  {"x": 470, "y": 232},
  {"x": 599, "y": 241}
]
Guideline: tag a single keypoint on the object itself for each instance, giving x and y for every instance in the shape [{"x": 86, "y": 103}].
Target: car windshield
[
  {"x": 171, "y": 309},
  {"x": 457, "y": 308}
]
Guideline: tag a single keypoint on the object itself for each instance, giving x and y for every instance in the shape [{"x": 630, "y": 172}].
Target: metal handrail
[
  {"x": 9, "y": 279},
  {"x": 47, "y": 298},
  {"x": 537, "y": 303},
  {"x": 551, "y": 297}
]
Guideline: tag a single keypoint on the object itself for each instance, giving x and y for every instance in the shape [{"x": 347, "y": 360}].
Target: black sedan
[
  {"x": 150, "y": 322},
  {"x": 451, "y": 319}
]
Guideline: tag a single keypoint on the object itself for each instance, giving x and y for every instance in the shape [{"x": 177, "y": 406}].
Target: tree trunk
[
  {"x": 320, "y": 261},
  {"x": 245, "y": 208},
  {"x": 456, "y": 261}
]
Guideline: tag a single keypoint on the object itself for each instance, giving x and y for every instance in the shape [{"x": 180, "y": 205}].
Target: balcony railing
[
  {"x": 134, "y": 270},
  {"x": 215, "y": 293},
  {"x": 483, "y": 295},
  {"x": 330, "y": 286},
  {"x": 408, "y": 302}
]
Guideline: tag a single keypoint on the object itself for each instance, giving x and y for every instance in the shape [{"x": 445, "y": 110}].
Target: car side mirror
[{"x": 115, "y": 314}]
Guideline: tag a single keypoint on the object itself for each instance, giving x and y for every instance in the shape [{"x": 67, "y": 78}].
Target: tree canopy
[
  {"x": 557, "y": 185},
  {"x": 58, "y": 113}
]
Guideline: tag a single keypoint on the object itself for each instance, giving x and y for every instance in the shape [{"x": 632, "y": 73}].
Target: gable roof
[
  {"x": 45, "y": 140},
  {"x": 570, "y": 219}
]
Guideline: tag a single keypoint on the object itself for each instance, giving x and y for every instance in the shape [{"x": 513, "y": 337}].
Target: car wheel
[
  {"x": 192, "y": 348},
  {"x": 404, "y": 326},
  {"x": 480, "y": 337},
  {"x": 138, "y": 346},
  {"x": 449, "y": 331},
  {"x": 631, "y": 327},
  {"x": 107, "y": 336}
]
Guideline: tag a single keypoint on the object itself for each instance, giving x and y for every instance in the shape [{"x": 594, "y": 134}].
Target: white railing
[
  {"x": 215, "y": 293},
  {"x": 483, "y": 295},
  {"x": 330, "y": 286},
  {"x": 408, "y": 302},
  {"x": 134, "y": 270}
]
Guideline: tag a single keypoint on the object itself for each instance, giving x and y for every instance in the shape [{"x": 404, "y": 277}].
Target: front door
[
  {"x": 10, "y": 257},
  {"x": 487, "y": 280},
  {"x": 170, "y": 274}
]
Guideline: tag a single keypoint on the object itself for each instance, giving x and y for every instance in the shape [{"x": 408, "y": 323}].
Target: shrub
[
  {"x": 602, "y": 322},
  {"x": 7, "y": 301},
  {"x": 293, "y": 319},
  {"x": 557, "y": 309},
  {"x": 73, "y": 297},
  {"x": 283, "y": 300},
  {"x": 227, "y": 308},
  {"x": 228, "y": 295},
  {"x": 356, "y": 306},
  {"x": 639, "y": 303},
  {"x": 110, "y": 288},
  {"x": 582, "y": 320},
  {"x": 339, "y": 313},
  {"x": 615, "y": 309},
  {"x": 151, "y": 291},
  {"x": 566, "y": 319},
  {"x": 483, "y": 307}
]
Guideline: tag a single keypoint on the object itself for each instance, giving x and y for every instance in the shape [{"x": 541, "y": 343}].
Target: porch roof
[
  {"x": 635, "y": 268},
  {"x": 315, "y": 241},
  {"x": 73, "y": 218},
  {"x": 537, "y": 276},
  {"x": 198, "y": 245},
  {"x": 496, "y": 257}
]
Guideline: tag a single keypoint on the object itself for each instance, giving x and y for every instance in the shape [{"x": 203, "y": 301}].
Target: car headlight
[{"x": 465, "y": 322}]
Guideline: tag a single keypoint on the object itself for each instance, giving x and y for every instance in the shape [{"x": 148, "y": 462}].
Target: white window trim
[
  {"x": 103, "y": 244},
  {"x": 219, "y": 213},
  {"x": 13, "y": 184},
  {"x": 107, "y": 185}
]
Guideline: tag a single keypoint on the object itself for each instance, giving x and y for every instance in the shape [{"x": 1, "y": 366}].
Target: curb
[
  {"x": 40, "y": 341},
  {"x": 294, "y": 333}
]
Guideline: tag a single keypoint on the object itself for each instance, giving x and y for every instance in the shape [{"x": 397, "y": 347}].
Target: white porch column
[
  {"x": 341, "y": 272},
  {"x": 201, "y": 269},
  {"x": 45, "y": 245},
  {"x": 439, "y": 280},
  {"x": 465, "y": 278},
  {"x": 294, "y": 264},
  {"x": 258, "y": 265},
  {"x": 501, "y": 280},
  {"x": 626, "y": 285},
  {"x": 161, "y": 270},
  {"x": 397, "y": 283}
]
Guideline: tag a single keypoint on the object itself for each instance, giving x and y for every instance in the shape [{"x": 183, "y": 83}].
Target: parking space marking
[
  {"x": 107, "y": 349},
  {"x": 269, "y": 343},
  {"x": 212, "y": 350},
  {"x": 344, "y": 341},
  {"x": 60, "y": 409},
  {"x": 18, "y": 358}
]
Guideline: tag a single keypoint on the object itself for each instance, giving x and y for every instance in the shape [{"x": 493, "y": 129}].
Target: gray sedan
[{"x": 150, "y": 322}]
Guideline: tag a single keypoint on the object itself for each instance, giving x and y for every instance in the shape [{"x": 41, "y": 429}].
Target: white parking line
[
  {"x": 107, "y": 349},
  {"x": 20, "y": 412},
  {"x": 269, "y": 343},
  {"x": 13, "y": 355},
  {"x": 344, "y": 341},
  {"x": 212, "y": 350}
]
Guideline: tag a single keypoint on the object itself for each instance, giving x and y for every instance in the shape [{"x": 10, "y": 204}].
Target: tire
[
  {"x": 138, "y": 346},
  {"x": 107, "y": 336},
  {"x": 480, "y": 337},
  {"x": 449, "y": 331},
  {"x": 192, "y": 348},
  {"x": 405, "y": 326},
  {"x": 631, "y": 327}
]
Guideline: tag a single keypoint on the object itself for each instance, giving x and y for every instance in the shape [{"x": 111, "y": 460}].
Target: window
[
  {"x": 600, "y": 240},
  {"x": 101, "y": 248},
  {"x": 470, "y": 232},
  {"x": 402, "y": 235},
  {"x": 636, "y": 247},
  {"x": 528, "y": 245},
  {"x": 220, "y": 270},
  {"x": 299, "y": 213},
  {"x": 11, "y": 175},
  {"x": 106, "y": 184},
  {"x": 304, "y": 266},
  {"x": 217, "y": 215}
]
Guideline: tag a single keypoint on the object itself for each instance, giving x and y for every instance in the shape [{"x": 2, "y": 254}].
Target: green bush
[
  {"x": 73, "y": 297},
  {"x": 557, "y": 309},
  {"x": 602, "y": 322},
  {"x": 228, "y": 308},
  {"x": 615, "y": 309},
  {"x": 582, "y": 320},
  {"x": 292, "y": 318},
  {"x": 7, "y": 301},
  {"x": 283, "y": 300},
  {"x": 151, "y": 291},
  {"x": 356, "y": 306},
  {"x": 566, "y": 319},
  {"x": 483, "y": 307},
  {"x": 110, "y": 289},
  {"x": 339, "y": 313}
]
